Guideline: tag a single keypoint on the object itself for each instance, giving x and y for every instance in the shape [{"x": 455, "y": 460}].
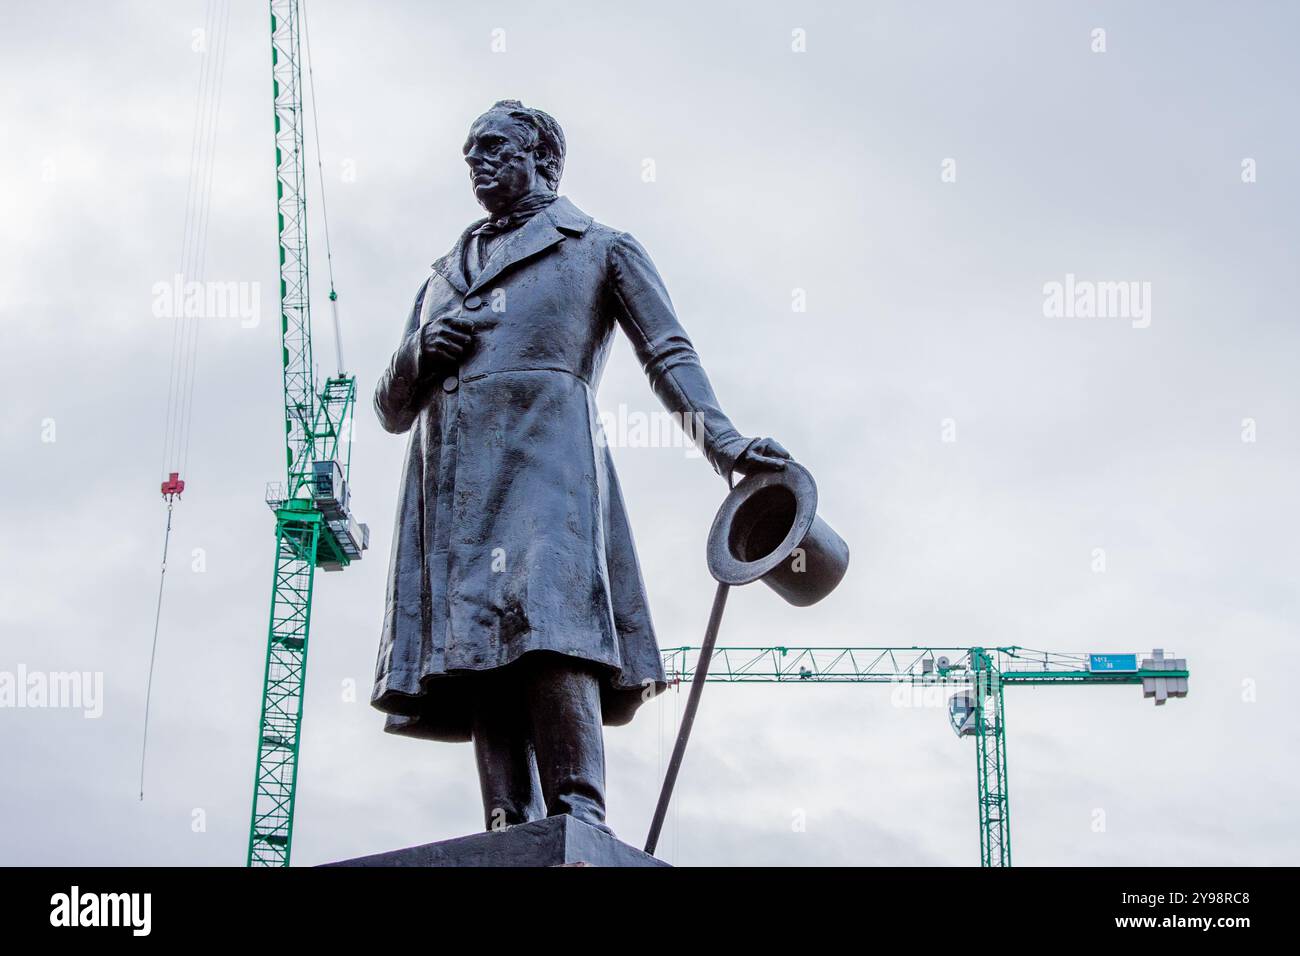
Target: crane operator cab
[
  {"x": 349, "y": 537},
  {"x": 961, "y": 713}
]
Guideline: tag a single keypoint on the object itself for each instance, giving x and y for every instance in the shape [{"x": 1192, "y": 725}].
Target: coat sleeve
[
  {"x": 667, "y": 356},
  {"x": 397, "y": 396}
]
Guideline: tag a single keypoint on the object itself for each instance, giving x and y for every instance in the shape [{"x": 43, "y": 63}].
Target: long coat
[{"x": 511, "y": 533}]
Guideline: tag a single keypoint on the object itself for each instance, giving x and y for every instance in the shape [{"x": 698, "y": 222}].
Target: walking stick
[
  {"x": 688, "y": 718},
  {"x": 763, "y": 521}
]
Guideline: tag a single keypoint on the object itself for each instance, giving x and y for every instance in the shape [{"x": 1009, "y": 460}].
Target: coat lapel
[
  {"x": 534, "y": 236},
  {"x": 538, "y": 234},
  {"x": 450, "y": 266}
]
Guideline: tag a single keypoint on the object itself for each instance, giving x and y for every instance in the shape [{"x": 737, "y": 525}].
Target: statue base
[{"x": 554, "y": 841}]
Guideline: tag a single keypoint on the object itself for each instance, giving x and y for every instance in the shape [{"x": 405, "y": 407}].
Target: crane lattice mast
[
  {"x": 978, "y": 675},
  {"x": 314, "y": 526}
]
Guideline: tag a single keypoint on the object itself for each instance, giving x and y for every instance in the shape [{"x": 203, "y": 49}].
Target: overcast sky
[{"x": 828, "y": 171}]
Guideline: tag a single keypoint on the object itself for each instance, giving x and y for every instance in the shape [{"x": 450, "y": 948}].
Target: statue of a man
[{"x": 516, "y": 616}]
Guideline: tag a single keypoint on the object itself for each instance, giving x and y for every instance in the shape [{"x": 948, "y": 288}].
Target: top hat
[{"x": 768, "y": 528}]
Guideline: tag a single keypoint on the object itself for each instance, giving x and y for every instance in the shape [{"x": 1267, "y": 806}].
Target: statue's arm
[
  {"x": 667, "y": 356},
  {"x": 398, "y": 392}
]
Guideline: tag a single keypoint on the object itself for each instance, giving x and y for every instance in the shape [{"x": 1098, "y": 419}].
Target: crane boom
[{"x": 976, "y": 712}]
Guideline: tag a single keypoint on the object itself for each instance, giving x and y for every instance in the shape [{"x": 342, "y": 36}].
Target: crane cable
[
  {"x": 157, "y": 617},
  {"x": 200, "y": 258},
  {"x": 179, "y": 408},
  {"x": 320, "y": 178},
  {"x": 185, "y": 328}
]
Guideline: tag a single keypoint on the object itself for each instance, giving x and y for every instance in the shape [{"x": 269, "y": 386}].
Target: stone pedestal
[{"x": 555, "y": 841}]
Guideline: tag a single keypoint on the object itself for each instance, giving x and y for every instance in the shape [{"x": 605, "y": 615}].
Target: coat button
[
  {"x": 473, "y": 302},
  {"x": 450, "y": 383}
]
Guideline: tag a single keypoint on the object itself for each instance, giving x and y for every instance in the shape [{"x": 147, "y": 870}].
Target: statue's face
[{"x": 502, "y": 169}]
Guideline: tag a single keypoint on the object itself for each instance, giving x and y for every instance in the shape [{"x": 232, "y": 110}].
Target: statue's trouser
[{"x": 538, "y": 741}]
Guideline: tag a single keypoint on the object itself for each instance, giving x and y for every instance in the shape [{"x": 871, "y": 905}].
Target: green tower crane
[
  {"x": 975, "y": 710},
  {"x": 314, "y": 526}
]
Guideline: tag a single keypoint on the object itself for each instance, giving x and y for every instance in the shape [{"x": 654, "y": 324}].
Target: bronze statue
[{"x": 516, "y": 616}]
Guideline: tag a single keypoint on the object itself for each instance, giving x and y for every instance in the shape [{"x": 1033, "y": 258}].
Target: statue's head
[{"x": 513, "y": 150}]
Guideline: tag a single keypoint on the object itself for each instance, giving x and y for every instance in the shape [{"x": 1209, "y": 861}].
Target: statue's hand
[
  {"x": 446, "y": 340},
  {"x": 766, "y": 454}
]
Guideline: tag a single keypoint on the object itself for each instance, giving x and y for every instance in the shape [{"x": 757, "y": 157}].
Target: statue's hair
[{"x": 547, "y": 139}]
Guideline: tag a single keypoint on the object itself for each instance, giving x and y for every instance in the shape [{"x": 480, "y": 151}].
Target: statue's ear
[{"x": 545, "y": 161}]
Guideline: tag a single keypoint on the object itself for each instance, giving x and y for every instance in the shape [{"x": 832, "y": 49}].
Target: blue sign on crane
[{"x": 1120, "y": 663}]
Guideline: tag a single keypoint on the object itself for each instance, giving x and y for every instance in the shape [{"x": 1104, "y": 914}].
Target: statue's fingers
[
  {"x": 770, "y": 446},
  {"x": 766, "y": 461}
]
